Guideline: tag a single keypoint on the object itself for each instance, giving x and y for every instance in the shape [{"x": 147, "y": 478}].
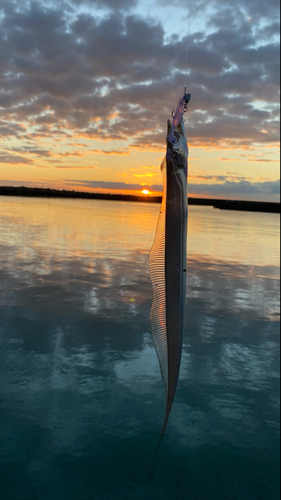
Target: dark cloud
[
  {"x": 30, "y": 150},
  {"x": 14, "y": 159},
  {"x": 110, "y": 4},
  {"x": 10, "y": 129},
  {"x": 121, "y": 151},
  {"x": 118, "y": 186},
  {"x": 242, "y": 189},
  {"x": 267, "y": 160},
  {"x": 222, "y": 187}
]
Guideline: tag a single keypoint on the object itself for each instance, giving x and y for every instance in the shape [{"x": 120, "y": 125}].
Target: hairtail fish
[{"x": 167, "y": 259}]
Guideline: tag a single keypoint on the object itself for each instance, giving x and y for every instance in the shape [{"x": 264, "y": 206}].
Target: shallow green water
[{"x": 81, "y": 397}]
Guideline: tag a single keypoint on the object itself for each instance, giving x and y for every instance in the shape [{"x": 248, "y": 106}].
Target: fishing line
[{"x": 187, "y": 54}]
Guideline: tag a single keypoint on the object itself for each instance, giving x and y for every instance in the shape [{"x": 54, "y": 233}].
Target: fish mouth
[{"x": 178, "y": 133}]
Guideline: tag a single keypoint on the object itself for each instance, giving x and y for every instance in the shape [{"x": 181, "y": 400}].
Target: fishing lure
[{"x": 167, "y": 259}]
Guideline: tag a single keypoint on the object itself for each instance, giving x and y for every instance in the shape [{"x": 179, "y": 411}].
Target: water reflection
[
  {"x": 60, "y": 328},
  {"x": 95, "y": 228},
  {"x": 80, "y": 386}
]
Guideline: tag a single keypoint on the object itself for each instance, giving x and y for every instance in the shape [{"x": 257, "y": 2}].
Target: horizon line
[{"x": 222, "y": 203}]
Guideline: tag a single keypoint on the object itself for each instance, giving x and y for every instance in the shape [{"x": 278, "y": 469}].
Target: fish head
[{"x": 177, "y": 148}]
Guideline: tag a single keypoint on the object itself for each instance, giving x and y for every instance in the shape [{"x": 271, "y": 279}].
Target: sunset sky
[{"x": 87, "y": 86}]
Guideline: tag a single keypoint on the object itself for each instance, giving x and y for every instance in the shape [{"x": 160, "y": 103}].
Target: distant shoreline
[{"x": 251, "y": 206}]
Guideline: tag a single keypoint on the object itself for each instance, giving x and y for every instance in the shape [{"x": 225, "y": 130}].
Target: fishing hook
[{"x": 187, "y": 98}]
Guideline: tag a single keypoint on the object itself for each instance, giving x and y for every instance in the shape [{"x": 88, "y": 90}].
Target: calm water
[{"x": 81, "y": 397}]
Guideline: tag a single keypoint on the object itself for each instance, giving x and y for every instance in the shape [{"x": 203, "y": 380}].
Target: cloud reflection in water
[{"x": 72, "y": 321}]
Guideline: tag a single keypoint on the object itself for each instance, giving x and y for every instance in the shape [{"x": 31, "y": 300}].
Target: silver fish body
[{"x": 167, "y": 263}]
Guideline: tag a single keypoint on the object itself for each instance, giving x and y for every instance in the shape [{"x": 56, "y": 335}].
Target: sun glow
[{"x": 145, "y": 191}]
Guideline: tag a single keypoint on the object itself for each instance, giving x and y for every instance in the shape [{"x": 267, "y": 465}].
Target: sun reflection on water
[{"x": 95, "y": 228}]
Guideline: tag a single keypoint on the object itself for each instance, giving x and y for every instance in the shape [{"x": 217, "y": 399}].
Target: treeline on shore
[
  {"x": 252, "y": 206},
  {"x": 57, "y": 193}
]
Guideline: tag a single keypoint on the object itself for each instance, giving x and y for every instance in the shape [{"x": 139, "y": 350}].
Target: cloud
[
  {"x": 242, "y": 189},
  {"x": 14, "y": 159},
  {"x": 119, "y": 152},
  {"x": 111, "y": 4},
  {"x": 220, "y": 186},
  {"x": 76, "y": 167},
  {"x": 250, "y": 10},
  {"x": 11, "y": 129},
  {"x": 30, "y": 150},
  {"x": 118, "y": 186},
  {"x": 229, "y": 159},
  {"x": 64, "y": 70},
  {"x": 267, "y": 160}
]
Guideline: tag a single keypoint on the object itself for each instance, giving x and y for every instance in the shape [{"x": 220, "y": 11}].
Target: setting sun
[{"x": 145, "y": 191}]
